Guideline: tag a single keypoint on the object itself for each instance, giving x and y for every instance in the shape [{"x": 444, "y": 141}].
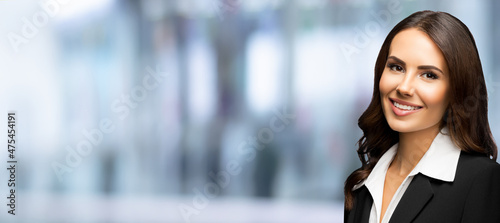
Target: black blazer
[{"x": 474, "y": 196}]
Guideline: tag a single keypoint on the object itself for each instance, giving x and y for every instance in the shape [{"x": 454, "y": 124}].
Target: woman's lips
[{"x": 401, "y": 108}]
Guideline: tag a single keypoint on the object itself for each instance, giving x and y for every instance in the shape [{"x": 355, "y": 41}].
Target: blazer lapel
[
  {"x": 360, "y": 213},
  {"x": 416, "y": 196}
]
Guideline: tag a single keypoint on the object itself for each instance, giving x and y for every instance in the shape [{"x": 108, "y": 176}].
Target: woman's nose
[{"x": 405, "y": 87}]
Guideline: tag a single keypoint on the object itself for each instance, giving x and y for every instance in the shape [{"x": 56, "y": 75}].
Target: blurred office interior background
[{"x": 198, "y": 110}]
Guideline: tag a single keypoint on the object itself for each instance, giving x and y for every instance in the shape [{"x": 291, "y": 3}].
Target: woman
[{"x": 427, "y": 152}]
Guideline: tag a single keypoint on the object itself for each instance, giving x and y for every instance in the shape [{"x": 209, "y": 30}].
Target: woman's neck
[{"x": 412, "y": 147}]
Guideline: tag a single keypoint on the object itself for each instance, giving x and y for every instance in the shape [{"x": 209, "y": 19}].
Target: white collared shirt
[{"x": 439, "y": 162}]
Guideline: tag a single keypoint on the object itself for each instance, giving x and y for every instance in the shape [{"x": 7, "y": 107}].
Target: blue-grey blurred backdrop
[{"x": 197, "y": 110}]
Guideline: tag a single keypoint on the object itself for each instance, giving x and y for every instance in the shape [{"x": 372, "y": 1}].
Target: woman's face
[{"x": 415, "y": 83}]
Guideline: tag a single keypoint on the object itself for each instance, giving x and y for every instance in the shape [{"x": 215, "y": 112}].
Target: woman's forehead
[{"x": 415, "y": 47}]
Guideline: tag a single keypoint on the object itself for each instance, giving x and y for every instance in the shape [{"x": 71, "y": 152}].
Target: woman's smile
[{"x": 403, "y": 108}]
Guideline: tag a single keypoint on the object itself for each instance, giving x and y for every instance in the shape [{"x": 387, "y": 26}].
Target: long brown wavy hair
[{"x": 467, "y": 113}]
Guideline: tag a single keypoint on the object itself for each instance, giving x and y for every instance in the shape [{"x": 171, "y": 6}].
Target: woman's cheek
[
  {"x": 387, "y": 83},
  {"x": 434, "y": 97}
]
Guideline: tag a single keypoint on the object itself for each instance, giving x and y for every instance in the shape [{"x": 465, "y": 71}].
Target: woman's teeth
[{"x": 405, "y": 107}]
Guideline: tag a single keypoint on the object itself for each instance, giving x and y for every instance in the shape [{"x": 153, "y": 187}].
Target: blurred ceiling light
[
  {"x": 264, "y": 71},
  {"x": 201, "y": 80},
  {"x": 315, "y": 79}
]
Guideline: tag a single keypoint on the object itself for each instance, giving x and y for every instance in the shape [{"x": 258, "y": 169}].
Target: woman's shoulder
[
  {"x": 480, "y": 177},
  {"x": 477, "y": 164}
]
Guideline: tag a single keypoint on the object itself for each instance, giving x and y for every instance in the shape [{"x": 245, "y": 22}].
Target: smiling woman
[{"x": 427, "y": 155}]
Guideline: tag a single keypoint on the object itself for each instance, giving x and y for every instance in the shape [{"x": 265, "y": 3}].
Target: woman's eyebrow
[
  {"x": 423, "y": 67},
  {"x": 397, "y": 60},
  {"x": 430, "y": 67}
]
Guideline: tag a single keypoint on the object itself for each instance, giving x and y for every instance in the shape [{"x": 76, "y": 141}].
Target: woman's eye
[
  {"x": 396, "y": 68},
  {"x": 430, "y": 76}
]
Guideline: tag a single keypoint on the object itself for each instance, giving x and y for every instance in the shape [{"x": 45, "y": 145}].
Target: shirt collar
[{"x": 439, "y": 162}]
